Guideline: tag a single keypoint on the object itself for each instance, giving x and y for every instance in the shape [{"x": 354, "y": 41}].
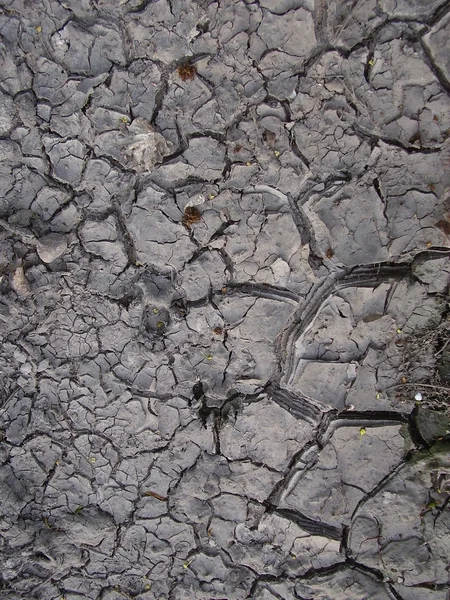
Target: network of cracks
[{"x": 224, "y": 270}]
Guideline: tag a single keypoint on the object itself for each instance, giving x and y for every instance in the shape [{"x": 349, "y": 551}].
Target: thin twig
[
  {"x": 443, "y": 348},
  {"x": 425, "y": 385}
]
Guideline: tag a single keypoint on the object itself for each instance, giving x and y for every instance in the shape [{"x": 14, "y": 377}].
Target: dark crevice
[
  {"x": 124, "y": 234},
  {"x": 159, "y": 97},
  {"x": 368, "y": 66},
  {"x": 376, "y": 185},
  {"x": 307, "y": 524},
  {"x": 382, "y": 417},
  {"x": 262, "y": 290},
  {"x": 297, "y": 405},
  {"x": 221, "y": 230},
  {"x": 439, "y": 73},
  {"x": 409, "y": 149}
]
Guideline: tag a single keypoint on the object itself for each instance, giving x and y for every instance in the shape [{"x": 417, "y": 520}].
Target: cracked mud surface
[{"x": 220, "y": 222}]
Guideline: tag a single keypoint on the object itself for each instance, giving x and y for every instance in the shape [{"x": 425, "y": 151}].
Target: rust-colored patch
[
  {"x": 191, "y": 215},
  {"x": 186, "y": 71},
  {"x": 155, "y": 495},
  {"x": 329, "y": 253},
  {"x": 218, "y": 330}
]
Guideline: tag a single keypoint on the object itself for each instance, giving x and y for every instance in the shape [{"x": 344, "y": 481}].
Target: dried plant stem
[{"x": 418, "y": 384}]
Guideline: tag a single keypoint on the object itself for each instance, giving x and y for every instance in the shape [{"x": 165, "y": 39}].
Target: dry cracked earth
[{"x": 220, "y": 224}]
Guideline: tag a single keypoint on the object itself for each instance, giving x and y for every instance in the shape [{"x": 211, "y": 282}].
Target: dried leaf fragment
[
  {"x": 145, "y": 147},
  {"x": 19, "y": 282},
  {"x": 51, "y": 247}
]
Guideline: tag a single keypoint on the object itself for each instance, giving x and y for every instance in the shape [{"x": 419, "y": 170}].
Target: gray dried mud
[{"x": 220, "y": 224}]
